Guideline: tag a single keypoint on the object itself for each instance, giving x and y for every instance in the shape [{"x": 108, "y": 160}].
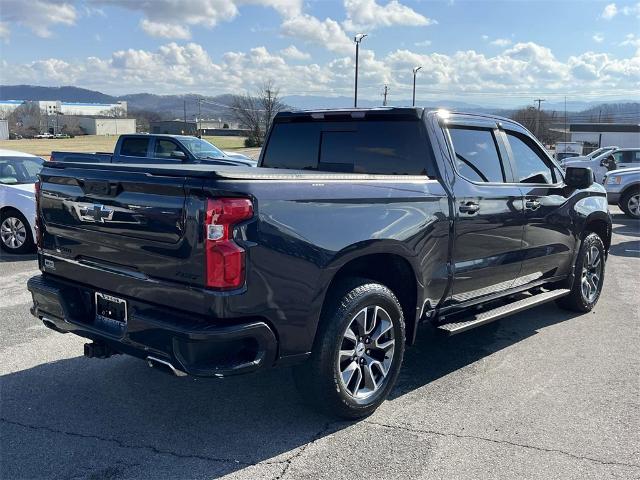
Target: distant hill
[
  {"x": 64, "y": 94},
  {"x": 218, "y": 107}
]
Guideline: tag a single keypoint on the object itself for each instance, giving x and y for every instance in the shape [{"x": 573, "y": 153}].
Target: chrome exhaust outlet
[{"x": 155, "y": 362}]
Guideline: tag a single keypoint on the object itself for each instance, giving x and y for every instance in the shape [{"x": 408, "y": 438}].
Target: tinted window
[
  {"x": 477, "y": 155},
  {"x": 134, "y": 147},
  {"x": 631, "y": 156},
  {"x": 293, "y": 145},
  {"x": 165, "y": 148},
  {"x": 373, "y": 146},
  {"x": 531, "y": 167}
]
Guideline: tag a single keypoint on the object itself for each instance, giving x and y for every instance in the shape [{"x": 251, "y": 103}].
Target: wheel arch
[
  {"x": 388, "y": 268},
  {"x": 600, "y": 224}
]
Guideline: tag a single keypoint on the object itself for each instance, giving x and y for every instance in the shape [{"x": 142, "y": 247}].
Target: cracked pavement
[{"x": 544, "y": 394}]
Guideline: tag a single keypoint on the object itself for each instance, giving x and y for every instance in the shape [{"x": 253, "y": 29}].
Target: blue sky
[{"x": 483, "y": 51}]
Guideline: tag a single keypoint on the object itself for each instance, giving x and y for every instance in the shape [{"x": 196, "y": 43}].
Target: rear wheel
[
  {"x": 15, "y": 232},
  {"x": 630, "y": 203},
  {"x": 589, "y": 276},
  {"x": 358, "y": 351}
]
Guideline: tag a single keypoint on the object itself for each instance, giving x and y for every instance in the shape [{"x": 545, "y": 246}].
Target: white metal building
[
  {"x": 51, "y": 107},
  {"x": 624, "y": 135},
  {"x": 4, "y": 130},
  {"x": 107, "y": 126}
]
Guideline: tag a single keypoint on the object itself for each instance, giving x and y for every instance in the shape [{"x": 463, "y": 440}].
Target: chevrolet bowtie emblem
[{"x": 95, "y": 213}]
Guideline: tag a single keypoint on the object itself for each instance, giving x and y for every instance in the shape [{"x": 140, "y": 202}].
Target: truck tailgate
[{"x": 131, "y": 223}]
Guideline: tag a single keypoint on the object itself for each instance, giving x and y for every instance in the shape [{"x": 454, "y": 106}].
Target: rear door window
[
  {"x": 476, "y": 154},
  {"x": 134, "y": 147},
  {"x": 165, "y": 149},
  {"x": 531, "y": 164}
]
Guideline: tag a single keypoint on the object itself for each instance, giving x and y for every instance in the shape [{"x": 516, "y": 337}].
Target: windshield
[
  {"x": 599, "y": 151},
  {"x": 201, "y": 148},
  {"x": 18, "y": 170}
]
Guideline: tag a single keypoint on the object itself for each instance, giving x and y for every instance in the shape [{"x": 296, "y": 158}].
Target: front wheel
[
  {"x": 15, "y": 232},
  {"x": 589, "y": 276},
  {"x": 358, "y": 351},
  {"x": 630, "y": 203}
]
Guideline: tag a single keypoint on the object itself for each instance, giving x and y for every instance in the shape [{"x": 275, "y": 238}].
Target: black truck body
[{"x": 128, "y": 252}]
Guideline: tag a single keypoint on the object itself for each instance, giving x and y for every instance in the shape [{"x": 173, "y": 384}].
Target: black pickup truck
[
  {"x": 357, "y": 226},
  {"x": 163, "y": 148}
]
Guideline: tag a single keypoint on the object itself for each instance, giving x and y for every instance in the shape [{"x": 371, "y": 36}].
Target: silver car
[{"x": 623, "y": 189}]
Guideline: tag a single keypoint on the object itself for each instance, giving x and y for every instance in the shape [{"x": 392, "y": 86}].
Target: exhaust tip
[{"x": 160, "y": 364}]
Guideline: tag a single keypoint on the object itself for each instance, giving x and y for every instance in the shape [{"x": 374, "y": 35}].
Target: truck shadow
[{"x": 116, "y": 418}]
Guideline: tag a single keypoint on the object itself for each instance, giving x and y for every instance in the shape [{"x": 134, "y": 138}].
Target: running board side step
[{"x": 489, "y": 316}]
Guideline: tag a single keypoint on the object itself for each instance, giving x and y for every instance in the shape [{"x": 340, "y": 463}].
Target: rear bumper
[{"x": 195, "y": 346}]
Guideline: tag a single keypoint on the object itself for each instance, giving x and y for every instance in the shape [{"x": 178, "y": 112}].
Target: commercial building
[
  {"x": 604, "y": 134},
  {"x": 106, "y": 126},
  {"x": 53, "y": 107}
]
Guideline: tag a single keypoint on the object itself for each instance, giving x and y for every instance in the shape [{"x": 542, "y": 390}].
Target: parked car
[
  {"x": 612, "y": 160},
  {"x": 18, "y": 174},
  {"x": 359, "y": 225},
  {"x": 590, "y": 156},
  {"x": 146, "y": 148},
  {"x": 623, "y": 189}
]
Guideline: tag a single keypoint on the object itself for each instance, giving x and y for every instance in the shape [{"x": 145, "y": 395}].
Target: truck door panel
[
  {"x": 548, "y": 241},
  {"x": 489, "y": 215}
]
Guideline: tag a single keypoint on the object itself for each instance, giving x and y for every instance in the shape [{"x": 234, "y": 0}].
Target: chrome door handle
[
  {"x": 532, "y": 204},
  {"x": 469, "y": 207}
]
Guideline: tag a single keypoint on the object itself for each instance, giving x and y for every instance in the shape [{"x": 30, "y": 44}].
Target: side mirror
[
  {"x": 604, "y": 162},
  {"x": 578, "y": 177},
  {"x": 178, "y": 154}
]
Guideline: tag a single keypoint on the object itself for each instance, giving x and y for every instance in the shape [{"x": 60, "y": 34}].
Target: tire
[
  {"x": 630, "y": 203},
  {"x": 15, "y": 232},
  {"x": 357, "y": 312},
  {"x": 590, "y": 269}
]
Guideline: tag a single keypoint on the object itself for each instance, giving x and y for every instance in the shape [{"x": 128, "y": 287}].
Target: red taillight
[
  {"x": 52, "y": 158},
  {"x": 37, "y": 226},
  {"x": 225, "y": 258}
]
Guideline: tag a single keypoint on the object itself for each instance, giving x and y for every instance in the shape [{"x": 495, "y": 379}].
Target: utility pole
[
  {"x": 385, "y": 93},
  {"x": 358, "y": 38},
  {"x": 565, "y": 118},
  {"x": 415, "y": 71},
  {"x": 184, "y": 105},
  {"x": 539, "y": 100},
  {"x": 199, "y": 114}
]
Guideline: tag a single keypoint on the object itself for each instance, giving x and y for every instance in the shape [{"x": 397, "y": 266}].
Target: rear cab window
[
  {"x": 134, "y": 147},
  {"x": 376, "y": 146}
]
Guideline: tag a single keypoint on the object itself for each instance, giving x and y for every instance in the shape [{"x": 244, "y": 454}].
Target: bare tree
[
  {"x": 27, "y": 119},
  {"x": 256, "y": 112}
]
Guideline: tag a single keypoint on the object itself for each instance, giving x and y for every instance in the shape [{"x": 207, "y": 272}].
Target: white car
[
  {"x": 18, "y": 174},
  {"x": 618, "y": 158}
]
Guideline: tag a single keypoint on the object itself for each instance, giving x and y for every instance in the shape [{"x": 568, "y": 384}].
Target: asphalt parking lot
[{"x": 544, "y": 394}]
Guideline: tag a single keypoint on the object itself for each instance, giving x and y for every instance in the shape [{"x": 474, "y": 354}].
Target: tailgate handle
[{"x": 96, "y": 187}]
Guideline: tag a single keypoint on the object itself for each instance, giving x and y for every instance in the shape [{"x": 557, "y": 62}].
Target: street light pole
[
  {"x": 358, "y": 38},
  {"x": 415, "y": 71}
]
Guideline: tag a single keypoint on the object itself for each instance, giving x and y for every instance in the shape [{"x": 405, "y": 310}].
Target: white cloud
[
  {"x": 631, "y": 40},
  {"x": 598, "y": 37},
  {"x": 609, "y": 11},
  {"x": 38, "y": 15},
  {"x": 368, "y": 14},
  {"x": 423, "y": 43},
  {"x": 328, "y": 32},
  {"x": 485, "y": 37},
  {"x": 165, "y": 30},
  {"x": 293, "y": 53},
  {"x": 501, "y": 42},
  {"x": 4, "y": 31},
  {"x": 175, "y": 68}
]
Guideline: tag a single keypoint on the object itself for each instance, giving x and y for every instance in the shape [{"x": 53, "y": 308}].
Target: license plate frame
[{"x": 111, "y": 309}]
